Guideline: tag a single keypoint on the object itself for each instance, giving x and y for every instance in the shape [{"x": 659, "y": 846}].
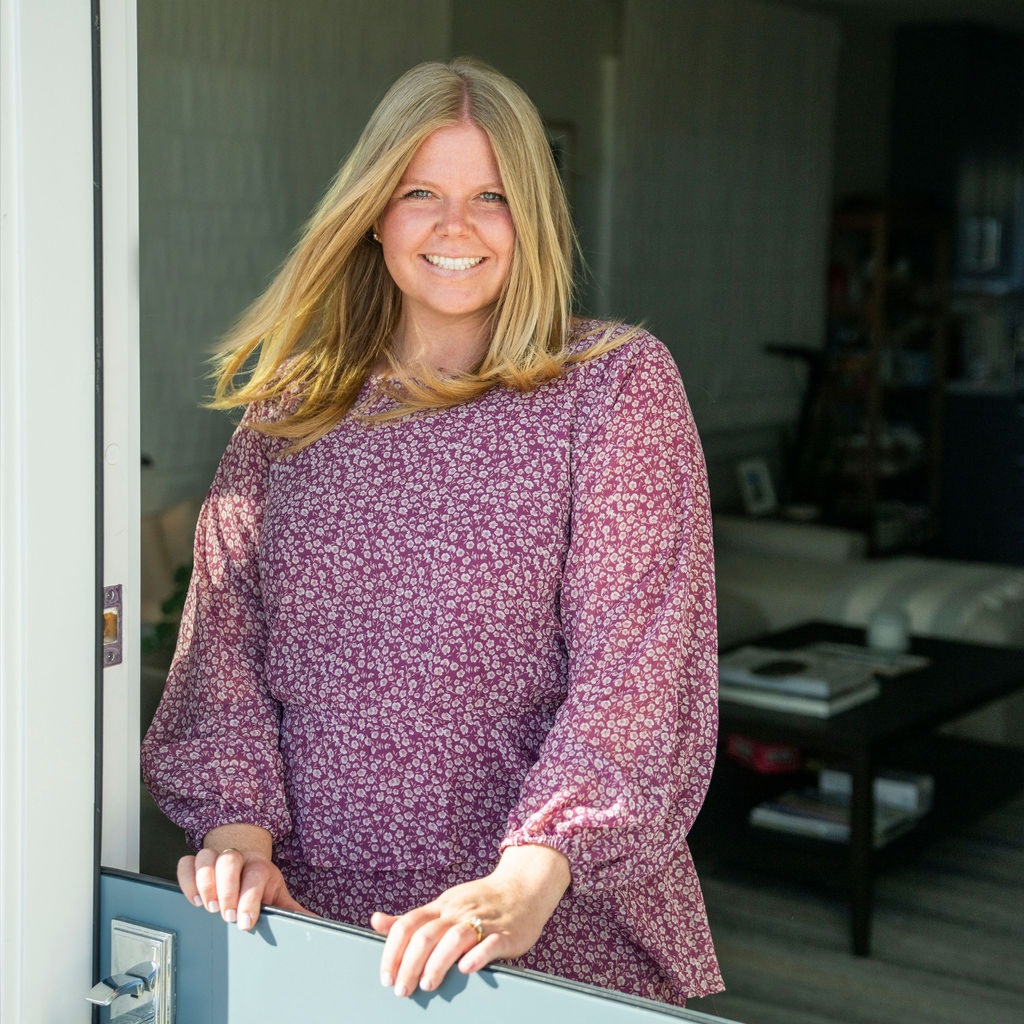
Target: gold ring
[
  {"x": 228, "y": 849},
  {"x": 477, "y": 925}
]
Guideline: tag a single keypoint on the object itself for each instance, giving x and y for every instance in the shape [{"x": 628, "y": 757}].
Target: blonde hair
[{"x": 324, "y": 323}]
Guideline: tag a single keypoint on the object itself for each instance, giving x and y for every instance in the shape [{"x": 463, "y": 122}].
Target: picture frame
[{"x": 756, "y": 487}]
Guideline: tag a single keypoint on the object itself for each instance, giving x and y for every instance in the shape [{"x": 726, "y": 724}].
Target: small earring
[{"x": 376, "y": 237}]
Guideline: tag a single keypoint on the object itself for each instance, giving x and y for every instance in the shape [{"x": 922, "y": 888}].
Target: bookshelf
[{"x": 878, "y": 421}]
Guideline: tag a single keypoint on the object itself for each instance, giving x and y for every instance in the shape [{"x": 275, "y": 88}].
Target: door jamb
[
  {"x": 120, "y": 542},
  {"x": 49, "y": 607}
]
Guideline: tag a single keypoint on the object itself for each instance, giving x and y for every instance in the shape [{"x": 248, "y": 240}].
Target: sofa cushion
[{"x": 810, "y": 541}]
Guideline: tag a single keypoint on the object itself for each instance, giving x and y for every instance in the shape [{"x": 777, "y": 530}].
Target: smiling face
[{"x": 448, "y": 238}]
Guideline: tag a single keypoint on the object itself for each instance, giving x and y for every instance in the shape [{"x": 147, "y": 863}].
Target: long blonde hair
[{"x": 325, "y": 321}]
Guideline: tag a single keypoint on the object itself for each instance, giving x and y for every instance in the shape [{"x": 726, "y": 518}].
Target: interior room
[{"x": 745, "y": 176}]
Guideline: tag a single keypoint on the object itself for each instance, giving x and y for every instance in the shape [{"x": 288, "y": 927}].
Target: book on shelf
[
  {"x": 893, "y": 787},
  {"x": 811, "y": 812},
  {"x": 794, "y": 704},
  {"x": 801, "y": 673}
]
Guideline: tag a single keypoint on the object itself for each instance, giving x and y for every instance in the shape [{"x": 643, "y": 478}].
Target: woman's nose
[{"x": 454, "y": 218}]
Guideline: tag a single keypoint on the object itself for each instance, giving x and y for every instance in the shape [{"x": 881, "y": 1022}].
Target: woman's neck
[{"x": 449, "y": 349}]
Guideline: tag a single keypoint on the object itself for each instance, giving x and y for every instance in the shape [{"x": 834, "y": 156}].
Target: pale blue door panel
[{"x": 292, "y": 968}]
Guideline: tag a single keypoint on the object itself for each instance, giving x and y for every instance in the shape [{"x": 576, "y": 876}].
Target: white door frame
[
  {"x": 49, "y": 579},
  {"x": 121, "y": 424}
]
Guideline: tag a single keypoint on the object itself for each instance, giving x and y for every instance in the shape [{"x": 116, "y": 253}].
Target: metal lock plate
[
  {"x": 132, "y": 943},
  {"x": 112, "y": 625}
]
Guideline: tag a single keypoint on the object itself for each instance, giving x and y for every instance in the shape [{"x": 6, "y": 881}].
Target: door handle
[
  {"x": 136, "y": 980},
  {"x": 142, "y": 964}
]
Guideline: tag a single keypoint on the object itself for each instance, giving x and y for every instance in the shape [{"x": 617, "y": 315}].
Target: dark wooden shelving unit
[{"x": 878, "y": 422}]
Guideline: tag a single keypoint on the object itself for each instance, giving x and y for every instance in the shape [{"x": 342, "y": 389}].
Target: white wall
[{"x": 246, "y": 108}]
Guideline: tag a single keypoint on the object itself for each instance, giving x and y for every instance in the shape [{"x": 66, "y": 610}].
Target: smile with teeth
[{"x": 453, "y": 263}]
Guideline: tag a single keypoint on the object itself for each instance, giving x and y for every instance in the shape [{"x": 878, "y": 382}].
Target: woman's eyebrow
[{"x": 426, "y": 183}]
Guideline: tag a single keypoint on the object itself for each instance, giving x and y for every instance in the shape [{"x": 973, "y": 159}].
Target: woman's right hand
[{"x": 233, "y": 875}]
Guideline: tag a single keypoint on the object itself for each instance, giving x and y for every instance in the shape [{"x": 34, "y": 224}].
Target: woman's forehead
[{"x": 456, "y": 150}]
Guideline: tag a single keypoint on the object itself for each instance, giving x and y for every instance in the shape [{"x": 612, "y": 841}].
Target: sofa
[{"x": 772, "y": 573}]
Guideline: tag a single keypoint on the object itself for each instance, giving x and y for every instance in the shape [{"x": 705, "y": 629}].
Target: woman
[{"x": 448, "y": 661}]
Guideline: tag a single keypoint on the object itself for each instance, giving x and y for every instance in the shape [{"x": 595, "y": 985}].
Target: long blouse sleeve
[
  {"x": 625, "y": 767},
  {"x": 211, "y": 756}
]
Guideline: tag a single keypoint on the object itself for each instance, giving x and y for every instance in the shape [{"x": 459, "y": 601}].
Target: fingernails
[
  {"x": 427, "y": 984},
  {"x": 401, "y": 991},
  {"x": 197, "y": 901},
  {"x": 212, "y": 906},
  {"x": 231, "y": 916},
  {"x": 244, "y": 922},
  {"x": 386, "y": 980}
]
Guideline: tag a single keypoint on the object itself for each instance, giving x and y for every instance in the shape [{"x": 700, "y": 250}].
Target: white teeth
[{"x": 450, "y": 263}]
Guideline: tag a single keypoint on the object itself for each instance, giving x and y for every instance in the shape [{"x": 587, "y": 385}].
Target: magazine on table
[
  {"x": 802, "y": 672},
  {"x": 815, "y": 707},
  {"x": 881, "y": 663}
]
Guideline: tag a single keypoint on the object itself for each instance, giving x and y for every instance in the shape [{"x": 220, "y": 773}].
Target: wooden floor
[{"x": 948, "y": 940}]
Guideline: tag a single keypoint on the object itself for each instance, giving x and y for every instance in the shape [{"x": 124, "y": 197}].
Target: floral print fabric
[{"x": 414, "y": 643}]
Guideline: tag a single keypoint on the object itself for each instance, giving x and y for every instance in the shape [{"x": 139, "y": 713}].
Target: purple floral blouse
[{"x": 415, "y": 643}]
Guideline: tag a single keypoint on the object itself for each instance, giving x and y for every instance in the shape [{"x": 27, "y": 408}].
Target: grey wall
[
  {"x": 719, "y": 170},
  {"x": 555, "y": 51},
  {"x": 863, "y": 99},
  {"x": 723, "y": 186},
  {"x": 246, "y": 108}
]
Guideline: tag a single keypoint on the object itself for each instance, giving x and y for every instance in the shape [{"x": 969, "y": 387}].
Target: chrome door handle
[
  {"x": 141, "y": 965},
  {"x": 136, "y": 980}
]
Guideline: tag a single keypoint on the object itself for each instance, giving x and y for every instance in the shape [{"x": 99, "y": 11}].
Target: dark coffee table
[{"x": 960, "y": 678}]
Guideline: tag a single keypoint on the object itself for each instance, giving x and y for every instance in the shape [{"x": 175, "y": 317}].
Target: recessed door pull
[{"x": 136, "y": 980}]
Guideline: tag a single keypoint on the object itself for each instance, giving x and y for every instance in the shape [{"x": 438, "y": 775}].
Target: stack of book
[
  {"x": 802, "y": 682},
  {"x": 901, "y": 800}
]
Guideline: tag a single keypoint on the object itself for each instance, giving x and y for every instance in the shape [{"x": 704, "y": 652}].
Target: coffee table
[{"x": 960, "y": 678}]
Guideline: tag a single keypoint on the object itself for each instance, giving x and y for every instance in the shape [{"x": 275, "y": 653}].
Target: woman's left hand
[{"x": 511, "y": 905}]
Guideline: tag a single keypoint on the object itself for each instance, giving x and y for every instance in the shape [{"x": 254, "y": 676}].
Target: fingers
[
  {"x": 422, "y": 946},
  {"x": 263, "y": 884},
  {"x": 381, "y": 923},
  {"x": 495, "y": 917},
  {"x": 205, "y": 879},
  {"x": 227, "y": 873},
  {"x": 234, "y": 884},
  {"x": 399, "y": 932},
  {"x": 212, "y": 879},
  {"x": 481, "y": 954},
  {"x": 420, "y": 950},
  {"x": 458, "y": 941},
  {"x": 187, "y": 880},
  {"x": 252, "y": 888},
  {"x": 285, "y": 901}
]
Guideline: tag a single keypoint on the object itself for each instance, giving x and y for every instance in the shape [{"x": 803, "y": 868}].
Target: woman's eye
[
  {"x": 417, "y": 193},
  {"x": 493, "y": 197}
]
